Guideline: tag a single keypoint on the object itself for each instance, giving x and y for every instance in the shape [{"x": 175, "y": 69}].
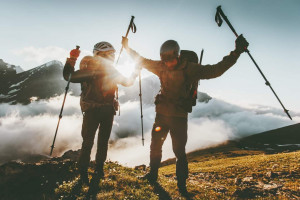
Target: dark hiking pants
[
  {"x": 178, "y": 131},
  {"x": 104, "y": 117}
]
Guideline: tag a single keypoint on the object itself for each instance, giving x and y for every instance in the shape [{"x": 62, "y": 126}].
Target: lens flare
[
  {"x": 158, "y": 128},
  {"x": 126, "y": 66}
]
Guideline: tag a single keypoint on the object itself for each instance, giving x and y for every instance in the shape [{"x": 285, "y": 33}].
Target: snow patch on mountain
[{"x": 42, "y": 82}]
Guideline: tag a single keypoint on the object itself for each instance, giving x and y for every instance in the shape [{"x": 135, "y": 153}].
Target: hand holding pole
[
  {"x": 74, "y": 54},
  {"x": 218, "y": 18},
  {"x": 133, "y": 29}
]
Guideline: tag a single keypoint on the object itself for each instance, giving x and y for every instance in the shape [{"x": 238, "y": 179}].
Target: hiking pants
[
  {"x": 178, "y": 131},
  {"x": 104, "y": 117}
]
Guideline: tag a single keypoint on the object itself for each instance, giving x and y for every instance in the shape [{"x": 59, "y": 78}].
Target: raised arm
[
  {"x": 196, "y": 71},
  {"x": 78, "y": 76},
  {"x": 151, "y": 65}
]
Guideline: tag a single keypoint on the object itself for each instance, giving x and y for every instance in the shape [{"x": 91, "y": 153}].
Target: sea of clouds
[{"x": 29, "y": 129}]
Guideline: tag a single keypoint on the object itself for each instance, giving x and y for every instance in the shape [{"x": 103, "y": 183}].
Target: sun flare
[{"x": 126, "y": 66}]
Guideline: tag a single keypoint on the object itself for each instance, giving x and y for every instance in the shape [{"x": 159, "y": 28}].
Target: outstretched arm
[
  {"x": 151, "y": 65},
  {"x": 197, "y": 71}
]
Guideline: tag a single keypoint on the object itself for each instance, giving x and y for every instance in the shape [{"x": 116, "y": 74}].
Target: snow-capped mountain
[
  {"x": 41, "y": 82},
  {"x": 5, "y": 66},
  {"x": 46, "y": 81},
  {"x": 18, "y": 69}
]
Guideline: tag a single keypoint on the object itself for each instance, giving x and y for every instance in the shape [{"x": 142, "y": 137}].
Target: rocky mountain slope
[
  {"x": 41, "y": 82},
  {"x": 46, "y": 81}
]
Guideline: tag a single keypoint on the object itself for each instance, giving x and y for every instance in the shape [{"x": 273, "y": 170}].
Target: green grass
[
  {"x": 119, "y": 183},
  {"x": 212, "y": 176},
  {"x": 216, "y": 178}
]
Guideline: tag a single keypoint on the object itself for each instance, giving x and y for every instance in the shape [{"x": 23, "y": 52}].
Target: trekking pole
[
  {"x": 219, "y": 21},
  {"x": 133, "y": 29},
  {"x": 201, "y": 56},
  {"x": 200, "y": 62},
  {"x": 62, "y": 108},
  {"x": 141, "y": 105}
]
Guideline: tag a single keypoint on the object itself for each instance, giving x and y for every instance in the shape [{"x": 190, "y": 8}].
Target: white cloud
[
  {"x": 30, "y": 129},
  {"x": 42, "y": 55},
  {"x": 35, "y": 56}
]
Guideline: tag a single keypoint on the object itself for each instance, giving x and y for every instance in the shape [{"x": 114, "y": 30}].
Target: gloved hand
[
  {"x": 125, "y": 42},
  {"x": 241, "y": 44},
  {"x": 74, "y": 54}
]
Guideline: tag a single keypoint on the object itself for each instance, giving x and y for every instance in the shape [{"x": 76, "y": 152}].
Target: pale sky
[{"x": 36, "y": 31}]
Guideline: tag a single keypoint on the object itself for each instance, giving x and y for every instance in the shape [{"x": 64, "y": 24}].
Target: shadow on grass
[
  {"x": 162, "y": 193},
  {"x": 93, "y": 189},
  {"x": 75, "y": 191},
  {"x": 188, "y": 196}
]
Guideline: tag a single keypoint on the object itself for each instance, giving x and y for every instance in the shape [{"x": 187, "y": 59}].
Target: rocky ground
[
  {"x": 247, "y": 175},
  {"x": 259, "y": 176}
]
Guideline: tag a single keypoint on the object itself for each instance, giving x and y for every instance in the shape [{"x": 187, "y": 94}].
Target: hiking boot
[
  {"x": 84, "y": 179},
  {"x": 94, "y": 184},
  {"x": 181, "y": 184},
  {"x": 151, "y": 177},
  {"x": 98, "y": 174}
]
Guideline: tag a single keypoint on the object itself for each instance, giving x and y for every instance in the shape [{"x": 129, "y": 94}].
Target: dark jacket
[
  {"x": 98, "y": 80},
  {"x": 175, "y": 84}
]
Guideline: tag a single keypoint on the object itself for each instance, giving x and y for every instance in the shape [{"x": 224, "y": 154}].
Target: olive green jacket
[{"x": 176, "y": 83}]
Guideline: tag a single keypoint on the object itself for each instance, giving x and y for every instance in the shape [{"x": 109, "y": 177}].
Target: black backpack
[{"x": 191, "y": 56}]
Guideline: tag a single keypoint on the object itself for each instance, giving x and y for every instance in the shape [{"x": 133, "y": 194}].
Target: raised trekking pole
[
  {"x": 218, "y": 18},
  {"x": 74, "y": 54},
  {"x": 133, "y": 29},
  {"x": 201, "y": 56},
  {"x": 141, "y": 105}
]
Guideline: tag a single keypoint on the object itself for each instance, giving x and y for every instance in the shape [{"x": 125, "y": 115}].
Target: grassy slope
[
  {"x": 227, "y": 171},
  {"x": 269, "y": 177},
  {"x": 221, "y": 178}
]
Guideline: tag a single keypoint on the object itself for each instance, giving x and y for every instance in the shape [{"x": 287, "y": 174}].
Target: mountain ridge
[
  {"x": 42, "y": 82},
  {"x": 46, "y": 81}
]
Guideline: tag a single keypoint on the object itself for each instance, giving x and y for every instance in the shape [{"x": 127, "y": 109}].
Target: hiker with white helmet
[{"x": 99, "y": 81}]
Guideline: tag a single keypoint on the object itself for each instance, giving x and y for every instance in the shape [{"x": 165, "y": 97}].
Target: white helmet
[{"x": 103, "y": 46}]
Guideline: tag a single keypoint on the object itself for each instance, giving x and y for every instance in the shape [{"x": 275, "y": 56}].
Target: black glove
[{"x": 241, "y": 44}]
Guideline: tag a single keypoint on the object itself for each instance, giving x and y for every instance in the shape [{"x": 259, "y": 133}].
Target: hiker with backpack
[
  {"x": 177, "y": 75},
  {"x": 99, "y": 81}
]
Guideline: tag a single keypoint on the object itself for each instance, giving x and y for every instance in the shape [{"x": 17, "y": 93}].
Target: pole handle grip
[
  {"x": 130, "y": 24},
  {"x": 219, "y": 9}
]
